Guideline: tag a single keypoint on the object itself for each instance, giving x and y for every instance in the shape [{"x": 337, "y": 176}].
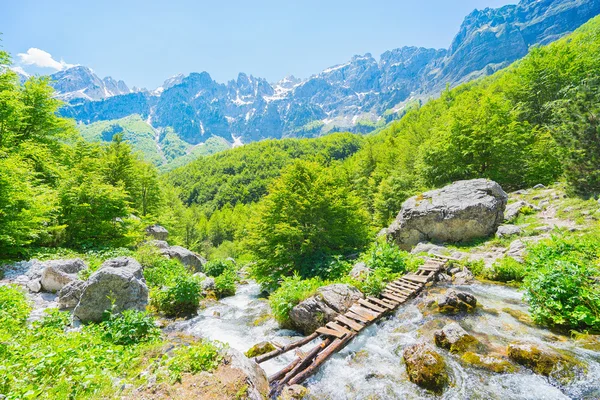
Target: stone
[
  {"x": 70, "y": 294},
  {"x": 119, "y": 280},
  {"x": 430, "y": 248},
  {"x": 159, "y": 244},
  {"x": 544, "y": 361},
  {"x": 293, "y": 392},
  {"x": 454, "y": 338},
  {"x": 463, "y": 277},
  {"x": 187, "y": 257},
  {"x": 360, "y": 270},
  {"x": 255, "y": 377},
  {"x": 323, "y": 307},
  {"x": 426, "y": 367},
  {"x": 462, "y": 211},
  {"x": 543, "y": 203},
  {"x": 58, "y": 273},
  {"x": 208, "y": 284},
  {"x": 454, "y": 302},
  {"x": 539, "y": 186},
  {"x": 259, "y": 349},
  {"x": 508, "y": 230},
  {"x": 489, "y": 362},
  {"x": 157, "y": 232},
  {"x": 34, "y": 285},
  {"x": 517, "y": 250},
  {"x": 513, "y": 210}
]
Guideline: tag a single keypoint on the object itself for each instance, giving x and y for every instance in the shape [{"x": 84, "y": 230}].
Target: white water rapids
[{"x": 371, "y": 366}]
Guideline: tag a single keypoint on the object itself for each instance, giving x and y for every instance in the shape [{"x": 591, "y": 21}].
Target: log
[
  {"x": 284, "y": 371},
  {"x": 286, "y": 348}
]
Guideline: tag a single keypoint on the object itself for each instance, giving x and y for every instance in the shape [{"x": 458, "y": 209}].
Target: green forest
[{"x": 297, "y": 212}]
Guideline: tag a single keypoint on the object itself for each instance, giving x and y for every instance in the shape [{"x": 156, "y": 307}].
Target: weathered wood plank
[
  {"x": 372, "y": 306},
  {"x": 416, "y": 278},
  {"x": 388, "y": 304},
  {"x": 363, "y": 312},
  {"x": 408, "y": 283},
  {"x": 357, "y": 317},
  {"x": 286, "y": 348},
  {"x": 336, "y": 327},
  {"x": 330, "y": 332},
  {"x": 392, "y": 297},
  {"x": 348, "y": 322}
]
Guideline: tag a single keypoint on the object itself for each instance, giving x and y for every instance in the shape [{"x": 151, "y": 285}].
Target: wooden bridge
[{"x": 336, "y": 334}]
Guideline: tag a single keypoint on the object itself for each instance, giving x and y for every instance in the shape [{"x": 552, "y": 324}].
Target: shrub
[
  {"x": 225, "y": 283},
  {"x": 375, "y": 282},
  {"x": 565, "y": 294},
  {"x": 215, "y": 268},
  {"x": 14, "y": 307},
  {"x": 180, "y": 299},
  {"x": 129, "y": 327},
  {"x": 199, "y": 356},
  {"x": 53, "y": 319},
  {"x": 389, "y": 256},
  {"x": 291, "y": 292},
  {"x": 507, "y": 269}
]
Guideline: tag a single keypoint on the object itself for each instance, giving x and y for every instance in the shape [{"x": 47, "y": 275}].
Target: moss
[
  {"x": 242, "y": 393},
  {"x": 261, "y": 320},
  {"x": 426, "y": 368},
  {"x": 260, "y": 349},
  {"x": 545, "y": 362},
  {"x": 490, "y": 363},
  {"x": 520, "y": 316}
]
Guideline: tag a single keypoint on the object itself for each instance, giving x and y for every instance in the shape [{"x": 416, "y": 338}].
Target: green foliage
[
  {"x": 159, "y": 270},
  {"x": 225, "y": 283},
  {"x": 182, "y": 298},
  {"x": 507, "y": 269},
  {"x": 308, "y": 216},
  {"x": 14, "y": 308},
  {"x": 374, "y": 283},
  {"x": 129, "y": 327},
  {"x": 217, "y": 267},
  {"x": 199, "y": 356},
  {"x": 384, "y": 255},
  {"x": 292, "y": 291},
  {"x": 562, "y": 285}
]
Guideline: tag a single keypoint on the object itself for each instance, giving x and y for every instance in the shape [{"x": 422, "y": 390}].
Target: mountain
[{"x": 358, "y": 95}]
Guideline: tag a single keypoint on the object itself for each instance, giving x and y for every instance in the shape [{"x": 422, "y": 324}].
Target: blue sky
[{"x": 145, "y": 42}]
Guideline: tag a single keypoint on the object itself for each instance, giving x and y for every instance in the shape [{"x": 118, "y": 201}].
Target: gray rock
[
  {"x": 508, "y": 230},
  {"x": 58, "y": 273},
  {"x": 543, "y": 203},
  {"x": 426, "y": 367},
  {"x": 256, "y": 378},
  {"x": 187, "y": 257},
  {"x": 159, "y": 244},
  {"x": 463, "y": 277},
  {"x": 70, "y": 294},
  {"x": 513, "y": 210},
  {"x": 453, "y": 337},
  {"x": 539, "y": 186},
  {"x": 157, "y": 232},
  {"x": 324, "y": 306},
  {"x": 34, "y": 285},
  {"x": 119, "y": 280},
  {"x": 294, "y": 392},
  {"x": 208, "y": 284},
  {"x": 454, "y": 301},
  {"x": 517, "y": 250},
  {"x": 430, "y": 248},
  {"x": 360, "y": 270},
  {"x": 461, "y": 211}
]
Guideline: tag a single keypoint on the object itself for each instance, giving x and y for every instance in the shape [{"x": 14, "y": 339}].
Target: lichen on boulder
[
  {"x": 489, "y": 362},
  {"x": 259, "y": 349},
  {"x": 545, "y": 361},
  {"x": 454, "y": 302},
  {"x": 454, "y": 338},
  {"x": 426, "y": 367}
]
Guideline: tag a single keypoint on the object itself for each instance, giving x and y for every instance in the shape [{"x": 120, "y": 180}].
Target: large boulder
[
  {"x": 70, "y": 294},
  {"x": 118, "y": 285},
  {"x": 426, "y": 367},
  {"x": 461, "y": 211},
  {"x": 453, "y": 302},
  {"x": 187, "y": 257},
  {"x": 157, "y": 232},
  {"x": 544, "y": 361},
  {"x": 58, "y": 273},
  {"x": 454, "y": 338},
  {"x": 324, "y": 306}
]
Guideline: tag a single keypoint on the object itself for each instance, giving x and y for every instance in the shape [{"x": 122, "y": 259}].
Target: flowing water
[{"x": 371, "y": 366}]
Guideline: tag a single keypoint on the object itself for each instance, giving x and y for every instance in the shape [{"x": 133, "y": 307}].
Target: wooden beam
[
  {"x": 416, "y": 278},
  {"x": 336, "y": 327},
  {"x": 389, "y": 304},
  {"x": 364, "y": 312},
  {"x": 357, "y": 317},
  {"x": 348, "y": 322},
  {"x": 286, "y": 348},
  {"x": 372, "y": 306},
  {"x": 330, "y": 332}
]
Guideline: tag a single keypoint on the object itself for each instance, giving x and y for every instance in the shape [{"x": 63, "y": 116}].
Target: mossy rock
[
  {"x": 544, "y": 361},
  {"x": 454, "y": 338},
  {"x": 293, "y": 392},
  {"x": 426, "y": 367},
  {"x": 520, "y": 316},
  {"x": 259, "y": 349},
  {"x": 491, "y": 363}
]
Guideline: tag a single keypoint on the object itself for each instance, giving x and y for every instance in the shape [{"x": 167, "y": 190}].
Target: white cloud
[
  {"x": 43, "y": 59},
  {"x": 19, "y": 70}
]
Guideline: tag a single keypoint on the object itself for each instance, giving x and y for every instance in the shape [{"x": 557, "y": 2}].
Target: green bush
[
  {"x": 180, "y": 299},
  {"x": 129, "y": 327},
  {"x": 200, "y": 356},
  {"x": 215, "y": 268},
  {"x": 375, "y": 282},
  {"x": 291, "y": 292},
  {"x": 225, "y": 283},
  {"x": 389, "y": 256},
  {"x": 14, "y": 307},
  {"x": 507, "y": 269}
]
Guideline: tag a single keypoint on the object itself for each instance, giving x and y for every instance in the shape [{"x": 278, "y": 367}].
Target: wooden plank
[
  {"x": 371, "y": 306},
  {"x": 392, "y": 297},
  {"x": 388, "y": 304},
  {"x": 416, "y": 278},
  {"x": 406, "y": 287},
  {"x": 363, "y": 312},
  {"x": 400, "y": 292},
  {"x": 330, "y": 332},
  {"x": 396, "y": 293},
  {"x": 357, "y": 317},
  {"x": 347, "y": 321},
  {"x": 429, "y": 268},
  {"x": 408, "y": 283},
  {"x": 286, "y": 348},
  {"x": 401, "y": 289},
  {"x": 339, "y": 328}
]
